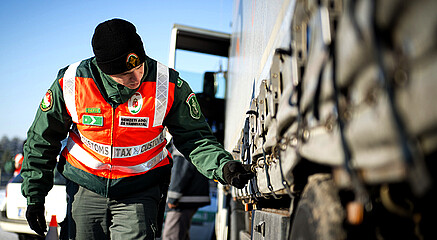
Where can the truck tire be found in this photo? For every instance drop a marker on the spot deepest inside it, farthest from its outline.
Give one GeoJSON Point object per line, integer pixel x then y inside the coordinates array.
{"type": "Point", "coordinates": [319, 213]}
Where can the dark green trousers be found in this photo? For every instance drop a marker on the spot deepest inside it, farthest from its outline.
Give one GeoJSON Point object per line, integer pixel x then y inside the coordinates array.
{"type": "Point", "coordinates": [92, 216]}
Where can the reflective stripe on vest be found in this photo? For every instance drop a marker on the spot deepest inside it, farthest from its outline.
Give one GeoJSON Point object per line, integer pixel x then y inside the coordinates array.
{"type": "Point", "coordinates": [120, 152]}
{"type": "Point", "coordinates": [161, 93]}
{"type": "Point", "coordinates": [69, 88]}
{"type": "Point", "coordinates": [89, 161]}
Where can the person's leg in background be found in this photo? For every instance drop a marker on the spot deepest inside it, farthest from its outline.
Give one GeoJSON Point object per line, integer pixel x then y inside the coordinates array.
{"type": "Point", "coordinates": [177, 224]}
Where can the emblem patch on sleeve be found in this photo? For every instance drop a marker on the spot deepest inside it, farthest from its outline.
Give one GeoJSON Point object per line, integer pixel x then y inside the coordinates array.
{"type": "Point", "coordinates": [194, 106]}
{"type": "Point", "coordinates": [47, 101]}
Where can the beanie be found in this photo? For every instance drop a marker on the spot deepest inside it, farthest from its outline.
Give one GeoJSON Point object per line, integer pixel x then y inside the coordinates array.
{"type": "Point", "coordinates": [117, 46]}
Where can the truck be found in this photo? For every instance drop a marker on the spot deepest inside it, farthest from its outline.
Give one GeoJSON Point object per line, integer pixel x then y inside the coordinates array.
{"type": "Point", "coordinates": [331, 103]}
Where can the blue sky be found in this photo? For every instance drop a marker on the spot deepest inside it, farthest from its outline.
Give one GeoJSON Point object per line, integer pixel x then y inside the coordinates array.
{"type": "Point", "coordinates": [38, 37]}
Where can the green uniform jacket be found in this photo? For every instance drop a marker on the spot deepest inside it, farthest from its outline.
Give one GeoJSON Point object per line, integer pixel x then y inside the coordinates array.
{"type": "Point", "coordinates": [191, 133]}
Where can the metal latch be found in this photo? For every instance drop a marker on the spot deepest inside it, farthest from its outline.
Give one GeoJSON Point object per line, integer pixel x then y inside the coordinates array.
{"type": "Point", "coordinates": [261, 228]}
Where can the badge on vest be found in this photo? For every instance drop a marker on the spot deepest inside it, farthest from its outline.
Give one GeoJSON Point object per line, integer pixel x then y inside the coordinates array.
{"type": "Point", "coordinates": [92, 120]}
{"type": "Point", "coordinates": [142, 122]}
{"type": "Point", "coordinates": [135, 103]}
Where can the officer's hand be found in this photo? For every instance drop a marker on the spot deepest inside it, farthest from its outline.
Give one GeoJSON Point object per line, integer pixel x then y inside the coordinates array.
{"type": "Point", "coordinates": [35, 218]}
{"type": "Point", "coordinates": [237, 174]}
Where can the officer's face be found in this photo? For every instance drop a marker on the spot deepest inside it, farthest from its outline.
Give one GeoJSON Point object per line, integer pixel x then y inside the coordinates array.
{"type": "Point", "coordinates": [130, 79]}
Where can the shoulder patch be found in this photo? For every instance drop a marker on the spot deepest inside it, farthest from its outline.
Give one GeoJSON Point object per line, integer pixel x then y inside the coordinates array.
{"type": "Point", "coordinates": [47, 101]}
{"type": "Point", "coordinates": [194, 106]}
{"type": "Point", "coordinates": [180, 82]}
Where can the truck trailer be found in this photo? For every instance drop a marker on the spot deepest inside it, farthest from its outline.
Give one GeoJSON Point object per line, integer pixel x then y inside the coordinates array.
{"type": "Point", "coordinates": [331, 102]}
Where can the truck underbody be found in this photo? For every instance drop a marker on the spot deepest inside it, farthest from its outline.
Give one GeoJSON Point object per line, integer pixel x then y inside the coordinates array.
{"type": "Point", "coordinates": [339, 129]}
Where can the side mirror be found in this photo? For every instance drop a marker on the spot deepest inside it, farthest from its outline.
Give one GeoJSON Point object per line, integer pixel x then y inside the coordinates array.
{"type": "Point", "coordinates": [209, 84]}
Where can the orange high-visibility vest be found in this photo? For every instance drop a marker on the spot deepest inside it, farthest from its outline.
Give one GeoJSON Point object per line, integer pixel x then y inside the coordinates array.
{"type": "Point", "coordinates": [117, 142]}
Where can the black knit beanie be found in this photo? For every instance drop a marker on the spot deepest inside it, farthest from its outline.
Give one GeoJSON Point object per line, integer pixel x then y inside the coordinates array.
{"type": "Point", "coordinates": [117, 46]}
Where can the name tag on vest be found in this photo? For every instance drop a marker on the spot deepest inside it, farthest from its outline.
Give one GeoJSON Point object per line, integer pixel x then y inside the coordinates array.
{"type": "Point", "coordinates": [142, 122]}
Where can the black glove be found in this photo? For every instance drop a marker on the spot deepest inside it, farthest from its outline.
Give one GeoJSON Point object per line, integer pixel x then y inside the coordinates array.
{"type": "Point", "coordinates": [35, 218]}
{"type": "Point", "coordinates": [237, 174]}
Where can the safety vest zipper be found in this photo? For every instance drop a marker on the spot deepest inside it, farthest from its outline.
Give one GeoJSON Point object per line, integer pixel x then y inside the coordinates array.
{"type": "Point", "coordinates": [108, 181]}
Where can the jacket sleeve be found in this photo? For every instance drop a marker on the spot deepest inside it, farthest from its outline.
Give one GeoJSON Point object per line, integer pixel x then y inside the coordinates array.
{"type": "Point", "coordinates": [193, 136]}
{"type": "Point", "coordinates": [49, 128]}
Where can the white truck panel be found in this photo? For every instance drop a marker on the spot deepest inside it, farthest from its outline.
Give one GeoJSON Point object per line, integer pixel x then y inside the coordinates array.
{"type": "Point", "coordinates": [257, 31]}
